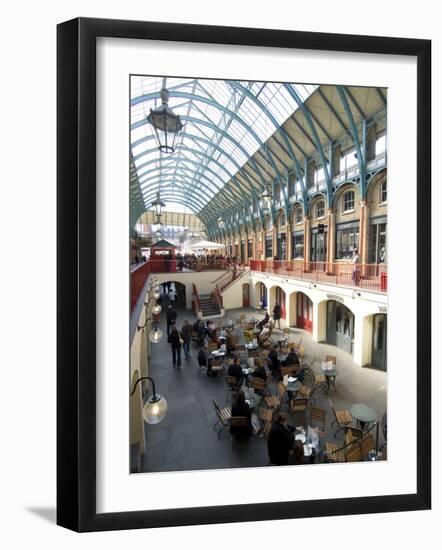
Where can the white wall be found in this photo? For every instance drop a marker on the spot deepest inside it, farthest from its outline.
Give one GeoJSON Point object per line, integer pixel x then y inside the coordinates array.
{"type": "Point", "coordinates": [28, 123]}
{"type": "Point", "coordinates": [204, 281]}
{"type": "Point", "coordinates": [363, 306]}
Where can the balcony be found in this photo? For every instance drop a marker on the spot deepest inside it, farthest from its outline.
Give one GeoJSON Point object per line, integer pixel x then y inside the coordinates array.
{"type": "Point", "coordinates": [363, 276]}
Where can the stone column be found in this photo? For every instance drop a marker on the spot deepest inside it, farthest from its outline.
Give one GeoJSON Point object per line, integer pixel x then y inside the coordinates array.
{"type": "Point", "coordinates": [363, 236]}
{"type": "Point", "coordinates": [331, 236]}
{"type": "Point", "coordinates": [306, 243]}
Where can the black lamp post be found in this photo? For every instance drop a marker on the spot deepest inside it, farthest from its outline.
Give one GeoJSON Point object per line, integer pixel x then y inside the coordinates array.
{"type": "Point", "coordinates": [158, 206]}
{"type": "Point", "coordinates": [166, 124]}
{"type": "Point", "coordinates": [266, 199]}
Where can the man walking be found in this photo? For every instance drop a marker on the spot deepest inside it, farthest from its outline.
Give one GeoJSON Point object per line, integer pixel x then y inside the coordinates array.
{"type": "Point", "coordinates": [171, 318]}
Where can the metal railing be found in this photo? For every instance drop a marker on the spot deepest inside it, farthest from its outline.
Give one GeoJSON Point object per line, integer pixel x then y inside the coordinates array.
{"type": "Point", "coordinates": [364, 276]}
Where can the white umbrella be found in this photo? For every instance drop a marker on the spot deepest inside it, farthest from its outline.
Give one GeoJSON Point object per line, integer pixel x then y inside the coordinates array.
{"type": "Point", "coordinates": [208, 245]}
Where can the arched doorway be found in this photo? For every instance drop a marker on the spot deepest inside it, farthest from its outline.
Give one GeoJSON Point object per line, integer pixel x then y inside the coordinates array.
{"type": "Point", "coordinates": [263, 295]}
{"type": "Point", "coordinates": [246, 295]}
{"type": "Point", "coordinates": [304, 312]}
{"type": "Point", "coordinates": [173, 292]}
{"type": "Point", "coordinates": [340, 326]}
{"type": "Point", "coordinates": [379, 342]}
{"type": "Point", "coordinates": [280, 299]}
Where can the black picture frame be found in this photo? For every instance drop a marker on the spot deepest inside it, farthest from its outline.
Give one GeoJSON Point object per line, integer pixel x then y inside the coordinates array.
{"type": "Point", "coordinates": [76, 273]}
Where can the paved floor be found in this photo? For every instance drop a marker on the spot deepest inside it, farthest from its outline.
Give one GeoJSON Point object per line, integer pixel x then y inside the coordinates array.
{"type": "Point", "coordinates": [185, 439]}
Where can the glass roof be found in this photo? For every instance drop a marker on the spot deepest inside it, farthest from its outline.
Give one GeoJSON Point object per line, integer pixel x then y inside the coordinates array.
{"type": "Point", "coordinates": [225, 123]}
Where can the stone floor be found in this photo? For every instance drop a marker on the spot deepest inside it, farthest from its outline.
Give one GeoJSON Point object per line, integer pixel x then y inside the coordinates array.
{"type": "Point", "coordinates": [185, 439]}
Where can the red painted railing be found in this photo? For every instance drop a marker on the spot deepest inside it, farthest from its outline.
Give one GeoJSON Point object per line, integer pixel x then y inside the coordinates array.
{"type": "Point", "coordinates": [196, 307]}
{"type": "Point", "coordinates": [365, 276]}
{"type": "Point", "coordinates": [138, 279]}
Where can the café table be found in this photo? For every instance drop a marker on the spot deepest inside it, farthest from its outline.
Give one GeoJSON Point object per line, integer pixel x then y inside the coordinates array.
{"type": "Point", "coordinates": [330, 377]}
{"type": "Point", "coordinates": [363, 414]}
{"type": "Point", "coordinates": [253, 400]}
{"type": "Point", "coordinates": [293, 387]}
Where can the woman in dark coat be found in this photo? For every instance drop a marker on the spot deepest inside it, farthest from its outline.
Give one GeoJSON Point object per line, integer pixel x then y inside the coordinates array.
{"type": "Point", "coordinates": [175, 341]}
{"type": "Point", "coordinates": [277, 312]}
{"type": "Point", "coordinates": [240, 408]}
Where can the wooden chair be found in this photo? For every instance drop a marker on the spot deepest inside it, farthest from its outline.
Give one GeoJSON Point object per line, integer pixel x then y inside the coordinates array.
{"type": "Point", "coordinates": [217, 366]}
{"type": "Point", "coordinates": [331, 358]}
{"type": "Point", "coordinates": [248, 335]}
{"type": "Point", "coordinates": [238, 423]}
{"type": "Point", "coordinates": [253, 353]}
{"type": "Point", "coordinates": [318, 418]}
{"type": "Point", "coordinates": [298, 405]}
{"type": "Point", "coordinates": [356, 433]}
{"type": "Point", "coordinates": [258, 384]}
{"type": "Point", "coordinates": [366, 444]}
{"type": "Point", "coordinates": [290, 371]}
{"type": "Point", "coordinates": [265, 417]}
{"type": "Point", "coordinates": [232, 386]}
{"type": "Point", "coordinates": [223, 417]}
{"type": "Point", "coordinates": [353, 454]}
{"type": "Point", "coordinates": [343, 419]}
{"type": "Point", "coordinates": [276, 400]}
{"type": "Point", "coordinates": [212, 347]}
{"type": "Point", "coordinates": [335, 452]}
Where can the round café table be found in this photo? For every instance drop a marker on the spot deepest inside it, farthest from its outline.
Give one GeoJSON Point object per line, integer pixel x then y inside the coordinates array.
{"type": "Point", "coordinates": [293, 387]}
{"type": "Point", "coordinates": [330, 376]}
{"type": "Point", "coordinates": [363, 414]}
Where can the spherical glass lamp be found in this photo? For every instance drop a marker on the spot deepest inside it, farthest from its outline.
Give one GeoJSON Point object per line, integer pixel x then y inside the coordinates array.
{"type": "Point", "coordinates": [155, 409]}
{"type": "Point", "coordinates": [156, 310]}
{"type": "Point", "coordinates": [155, 335]}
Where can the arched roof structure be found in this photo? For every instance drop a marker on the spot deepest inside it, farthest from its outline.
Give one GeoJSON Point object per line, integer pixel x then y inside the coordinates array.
{"type": "Point", "coordinates": [237, 136]}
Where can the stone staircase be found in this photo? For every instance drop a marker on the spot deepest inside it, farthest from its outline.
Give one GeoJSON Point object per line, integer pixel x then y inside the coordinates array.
{"type": "Point", "coordinates": [209, 309]}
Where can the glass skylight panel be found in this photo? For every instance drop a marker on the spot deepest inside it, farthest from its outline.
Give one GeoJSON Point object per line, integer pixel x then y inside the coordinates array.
{"type": "Point", "coordinates": [206, 137]}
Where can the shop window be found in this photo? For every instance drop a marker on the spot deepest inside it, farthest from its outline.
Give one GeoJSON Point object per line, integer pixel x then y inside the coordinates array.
{"type": "Point", "coordinates": [347, 239]}
{"type": "Point", "coordinates": [298, 246]}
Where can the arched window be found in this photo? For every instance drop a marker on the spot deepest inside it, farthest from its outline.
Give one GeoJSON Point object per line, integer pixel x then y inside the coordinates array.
{"type": "Point", "coordinates": [298, 215]}
{"type": "Point", "coordinates": [348, 201]}
{"type": "Point", "coordinates": [282, 221]}
{"type": "Point", "coordinates": [320, 207]}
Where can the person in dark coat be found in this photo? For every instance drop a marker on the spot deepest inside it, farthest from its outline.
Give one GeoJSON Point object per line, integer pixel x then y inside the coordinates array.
{"type": "Point", "coordinates": [277, 312]}
{"type": "Point", "coordinates": [204, 359]}
{"type": "Point", "coordinates": [186, 332]}
{"type": "Point", "coordinates": [292, 359]}
{"type": "Point", "coordinates": [273, 361]}
{"type": "Point", "coordinates": [260, 371]}
{"type": "Point", "coordinates": [176, 340]}
{"type": "Point", "coordinates": [280, 441]}
{"type": "Point", "coordinates": [241, 408]}
{"type": "Point", "coordinates": [236, 371]}
{"type": "Point", "coordinates": [171, 315]}
{"type": "Point", "coordinates": [263, 321]}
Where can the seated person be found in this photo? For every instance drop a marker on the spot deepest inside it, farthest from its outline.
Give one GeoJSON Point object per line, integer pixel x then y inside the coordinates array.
{"type": "Point", "coordinates": [263, 321]}
{"type": "Point", "coordinates": [240, 408]}
{"type": "Point", "coordinates": [231, 341]}
{"type": "Point", "coordinates": [300, 374]}
{"type": "Point", "coordinates": [260, 371]}
{"type": "Point", "coordinates": [264, 335]}
{"type": "Point", "coordinates": [201, 333]}
{"type": "Point", "coordinates": [211, 328]}
{"type": "Point", "coordinates": [273, 361]}
{"type": "Point", "coordinates": [292, 359]}
{"type": "Point", "coordinates": [298, 452]}
{"type": "Point", "coordinates": [280, 441]}
{"type": "Point", "coordinates": [236, 371]}
{"type": "Point", "coordinates": [204, 359]}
